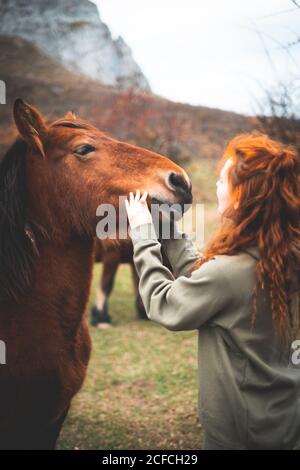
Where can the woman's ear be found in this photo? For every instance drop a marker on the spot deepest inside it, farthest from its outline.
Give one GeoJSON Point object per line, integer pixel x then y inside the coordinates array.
{"type": "Point", "coordinates": [31, 125]}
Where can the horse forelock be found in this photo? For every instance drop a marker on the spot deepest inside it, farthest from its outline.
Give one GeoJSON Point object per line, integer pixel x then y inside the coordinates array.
{"type": "Point", "coordinates": [73, 124]}
{"type": "Point", "coordinates": [76, 124]}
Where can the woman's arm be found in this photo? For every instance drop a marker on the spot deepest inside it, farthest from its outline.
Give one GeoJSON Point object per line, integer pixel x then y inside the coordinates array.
{"type": "Point", "coordinates": [181, 252]}
{"type": "Point", "coordinates": [185, 303]}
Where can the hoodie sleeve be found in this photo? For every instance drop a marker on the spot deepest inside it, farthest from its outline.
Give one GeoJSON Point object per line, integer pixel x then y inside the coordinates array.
{"type": "Point", "coordinates": [181, 252]}
{"type": "Point", "coordinates": [185, 303]}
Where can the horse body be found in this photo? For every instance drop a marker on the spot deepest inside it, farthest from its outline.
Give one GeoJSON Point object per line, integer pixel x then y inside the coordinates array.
{"type": "Point", "coordinates": [51, 183]}
{"type": "Point", "coordinates": [45, 373]}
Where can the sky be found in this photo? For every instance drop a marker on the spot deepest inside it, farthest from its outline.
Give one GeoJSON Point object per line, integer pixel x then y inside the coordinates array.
{"type": "Point", "coordinates": [221, 54]}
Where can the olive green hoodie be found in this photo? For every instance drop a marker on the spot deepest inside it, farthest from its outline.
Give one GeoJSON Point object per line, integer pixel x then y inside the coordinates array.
{"type": "Point", "coordinates": [249, 388]}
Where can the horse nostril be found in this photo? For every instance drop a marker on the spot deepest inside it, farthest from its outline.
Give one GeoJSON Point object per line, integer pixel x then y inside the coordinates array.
{"type": "Point", "coordinates": [179, 184]}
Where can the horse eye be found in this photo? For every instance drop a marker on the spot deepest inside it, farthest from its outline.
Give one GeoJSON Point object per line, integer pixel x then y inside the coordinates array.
{"type": "Point", "coordinates": [83, 149]}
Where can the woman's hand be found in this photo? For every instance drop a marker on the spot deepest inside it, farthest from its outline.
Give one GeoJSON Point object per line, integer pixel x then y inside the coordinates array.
{"type": "Point", "coordinates": [137, 209]}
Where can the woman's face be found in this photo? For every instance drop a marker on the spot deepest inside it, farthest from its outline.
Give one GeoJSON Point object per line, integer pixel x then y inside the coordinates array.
{"type": "Point", "coordinates": [223, 188]}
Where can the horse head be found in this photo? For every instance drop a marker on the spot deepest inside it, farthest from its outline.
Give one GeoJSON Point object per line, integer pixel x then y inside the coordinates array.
{"type": "Point", "coordinates": [72, 167]}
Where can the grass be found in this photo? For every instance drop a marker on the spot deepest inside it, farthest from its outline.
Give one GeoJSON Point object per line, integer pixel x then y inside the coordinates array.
{"type": "Point", "coordinates": [141, 387]}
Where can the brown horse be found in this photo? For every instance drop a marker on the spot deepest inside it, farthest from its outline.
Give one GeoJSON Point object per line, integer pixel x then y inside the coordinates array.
{"type": "Point", "coordinates": [112, 255]}
{"type": "Point", "coordinates": [51, 181]}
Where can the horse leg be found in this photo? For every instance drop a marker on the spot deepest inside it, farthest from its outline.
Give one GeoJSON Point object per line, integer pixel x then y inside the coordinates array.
{"type": "Point", "coordinates": [100, 316]}
{"type": "Point", "coordinates": [139, 306]}
{"type": "Point", "coordinates": [48, 438]}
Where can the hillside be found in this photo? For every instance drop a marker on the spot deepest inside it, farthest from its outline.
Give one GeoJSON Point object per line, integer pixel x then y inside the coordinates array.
{"type": "Point", "coordinates": [181, 131]}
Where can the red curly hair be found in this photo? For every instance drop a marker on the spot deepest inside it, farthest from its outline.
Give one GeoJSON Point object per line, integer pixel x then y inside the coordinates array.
{"type": "Point", "coordinates": [264, 179]}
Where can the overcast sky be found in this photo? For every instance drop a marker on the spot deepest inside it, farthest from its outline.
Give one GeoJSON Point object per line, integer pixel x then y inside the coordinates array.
{"type": "Point", "coordinates": [208, 52]}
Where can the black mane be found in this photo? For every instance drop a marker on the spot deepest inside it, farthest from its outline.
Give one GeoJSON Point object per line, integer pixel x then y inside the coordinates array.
{"type": "Point", "coordinates": [16, 251]}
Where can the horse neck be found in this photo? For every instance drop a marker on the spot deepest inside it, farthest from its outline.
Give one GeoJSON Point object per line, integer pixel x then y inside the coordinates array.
{"type": "Point", "coordinates": [62, 279]}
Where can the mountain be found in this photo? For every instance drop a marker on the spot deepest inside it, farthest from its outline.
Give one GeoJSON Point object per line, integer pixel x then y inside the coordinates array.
{"type": "Point", "coordinates": [181, 131]}
{"type": "Point", "coordinates": [72, 32]}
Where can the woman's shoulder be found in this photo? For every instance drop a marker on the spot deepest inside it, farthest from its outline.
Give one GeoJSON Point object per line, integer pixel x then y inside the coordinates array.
{"type": "Point", "coordinates": [238, 268]}
{"type": "Point", "coordinates": [233, 266]}
{"type": "Point", "coordinates": [246, 255]}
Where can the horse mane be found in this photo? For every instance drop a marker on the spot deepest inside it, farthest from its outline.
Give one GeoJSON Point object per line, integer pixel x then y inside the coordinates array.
{"type": "Point", "coordinates": [16, 250]}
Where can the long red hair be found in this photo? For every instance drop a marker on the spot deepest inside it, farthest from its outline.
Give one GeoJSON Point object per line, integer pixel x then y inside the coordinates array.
{"type": "Point", "coordinates": [264, 179]}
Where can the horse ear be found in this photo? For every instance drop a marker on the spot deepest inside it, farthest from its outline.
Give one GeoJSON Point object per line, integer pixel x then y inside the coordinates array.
{"type": "Point", "coordinates": [31, 125]}
{"type": "Point", "coordinates": [71, 116]}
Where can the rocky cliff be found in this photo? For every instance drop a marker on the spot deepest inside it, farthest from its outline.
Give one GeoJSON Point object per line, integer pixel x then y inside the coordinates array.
{"type": "Point", "coordinates": [72, 32]}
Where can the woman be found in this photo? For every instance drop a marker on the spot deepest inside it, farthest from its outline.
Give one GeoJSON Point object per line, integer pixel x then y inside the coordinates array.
{"type": "Point", "coordinates": [240, 293]}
